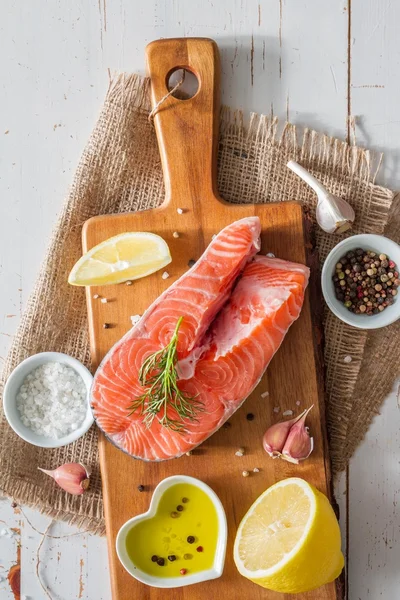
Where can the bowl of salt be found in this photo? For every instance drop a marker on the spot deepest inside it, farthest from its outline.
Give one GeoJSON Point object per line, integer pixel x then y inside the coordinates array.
{"type": "Point", "coordinates": [46, 399]}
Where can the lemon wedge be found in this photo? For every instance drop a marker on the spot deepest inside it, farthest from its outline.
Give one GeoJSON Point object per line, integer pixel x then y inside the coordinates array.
{"type": "Point", "coordinates": [121, 258]}
{"type": "Point", "coordinates": [289, 540]}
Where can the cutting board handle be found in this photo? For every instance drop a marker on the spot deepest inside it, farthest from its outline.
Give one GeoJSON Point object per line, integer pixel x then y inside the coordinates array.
{"type": "Point", "coordinates": [187, 130]}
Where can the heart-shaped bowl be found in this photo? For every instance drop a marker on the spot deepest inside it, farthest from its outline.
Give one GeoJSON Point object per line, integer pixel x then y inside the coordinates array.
{"type": "Point", "coordinates": [173, 582]}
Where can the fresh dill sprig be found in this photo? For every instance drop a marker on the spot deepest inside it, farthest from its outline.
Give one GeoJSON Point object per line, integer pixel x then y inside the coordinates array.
{"type": "Point", "coordinates": [158, 373]}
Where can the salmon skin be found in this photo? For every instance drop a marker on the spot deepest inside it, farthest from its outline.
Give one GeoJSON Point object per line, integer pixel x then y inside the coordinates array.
{"type": "Point", "coordinates": [236, 309]}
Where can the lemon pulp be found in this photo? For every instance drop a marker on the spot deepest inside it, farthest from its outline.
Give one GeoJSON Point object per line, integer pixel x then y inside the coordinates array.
{"type": "Point", "coordinates": [124, 257]}
{"type": "Point", "coordinates": [289, 540]}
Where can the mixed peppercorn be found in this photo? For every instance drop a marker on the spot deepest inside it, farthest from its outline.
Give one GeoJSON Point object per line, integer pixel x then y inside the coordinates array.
{"type": "Point", "coordinates": [366, 282]}
{"type": "Point", "coordinates": [190, 540]}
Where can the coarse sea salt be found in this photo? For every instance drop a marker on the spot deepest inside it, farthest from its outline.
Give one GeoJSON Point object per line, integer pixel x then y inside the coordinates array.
{"type": "Point", "coordinates": [52, 400]}
{"type": "Point", "coordinates": [135, 319]}
{"type": "Point", "coordinates": [287, 413]}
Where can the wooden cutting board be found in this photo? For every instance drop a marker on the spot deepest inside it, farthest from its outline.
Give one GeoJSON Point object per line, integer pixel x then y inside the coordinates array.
{"type": "Point", "coordinates": [187, 136]}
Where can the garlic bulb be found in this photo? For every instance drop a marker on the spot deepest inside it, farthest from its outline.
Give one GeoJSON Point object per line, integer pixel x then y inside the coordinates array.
{"type": "Point", "coordinates": [289, 440]}
{"type": "Point", "coordinates": [275, 437]}
{"type": "Point", "coordinates": [333, 214]}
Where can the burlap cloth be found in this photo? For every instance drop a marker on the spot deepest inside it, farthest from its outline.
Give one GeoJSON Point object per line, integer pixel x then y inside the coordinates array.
{"type": "Point", "coordinates": [120, 171]}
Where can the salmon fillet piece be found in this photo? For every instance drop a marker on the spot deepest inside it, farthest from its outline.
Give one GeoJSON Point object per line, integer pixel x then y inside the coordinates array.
{"type": "Point", "coordinates": [224, 347]}
{"type": "Point", "coordinates": [250, 328]}
{"type": "Point", "coordinates": [197, 297]}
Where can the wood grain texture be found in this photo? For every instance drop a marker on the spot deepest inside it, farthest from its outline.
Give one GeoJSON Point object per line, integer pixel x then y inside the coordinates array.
{"type": "Point", "coordinates": [186, 132]}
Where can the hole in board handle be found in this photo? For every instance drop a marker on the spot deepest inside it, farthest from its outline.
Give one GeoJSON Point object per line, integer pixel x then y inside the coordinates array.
{"type": "Point", "coordinates": [189, 86]}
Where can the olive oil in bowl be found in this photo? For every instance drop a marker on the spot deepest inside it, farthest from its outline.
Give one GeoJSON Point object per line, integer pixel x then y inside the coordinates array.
{"type": "Point", "coordinates": [180, 540]}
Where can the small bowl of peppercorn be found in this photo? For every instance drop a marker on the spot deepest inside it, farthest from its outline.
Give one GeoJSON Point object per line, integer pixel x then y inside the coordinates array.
{"type": "Point", "coordinates": [360, 281]}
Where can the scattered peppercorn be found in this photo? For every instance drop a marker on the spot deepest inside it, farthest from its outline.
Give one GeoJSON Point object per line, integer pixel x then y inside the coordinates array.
{"type": "Point", "coordinates": [172, 557]}
{"type": "Point", "coordinates": [183, 571]}
{"type": "Point", "coordinates": [161, 562]}
{"type": "Point", "coordinates": [140, 488]}
{"type": "Point", "coordinates": [250, 417]}
{"type": "Point", "coordinates": [154, 558]}
{"type": "Point", "coordinates": [191, 262]}
{"type": "Point", "coordinates": [174, 514]}
{"type": "Point", "coordinates": [179, 508]}
{"type": "Point", "coordinates": [106, 325]}
{"type": "Point", "coordinates": [185, 500]}
{"type": "Point", "coordinates": [190, 539]}
{"type": "Point", "coordinates": [365, 282]}
{"type": "Point", "coordinates": [199, 548]}
{"type": "Point", "coordinates": [14, 504]}
{"type": "Point", "coordinates": [226, 425]}
{"type": "Point", "coordinates": [187, 556]}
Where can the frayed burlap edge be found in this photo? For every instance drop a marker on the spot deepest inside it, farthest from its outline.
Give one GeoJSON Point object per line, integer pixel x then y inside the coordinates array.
{"type": "Point", "coordinates": [120, 170]}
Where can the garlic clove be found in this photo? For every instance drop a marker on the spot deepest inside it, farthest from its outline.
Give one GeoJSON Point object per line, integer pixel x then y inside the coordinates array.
{"type": "Point", "coordinates": [333, 214]}
{"type": "Point", "coordinates": [74, 478]}
{"type": "Point", "coordinates": [299, 444]}
{"type": "Point", "coordinates": [275, 437]}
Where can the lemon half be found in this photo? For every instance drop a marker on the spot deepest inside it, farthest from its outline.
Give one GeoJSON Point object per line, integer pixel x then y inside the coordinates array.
{"type": "Point", "coordinates": [121, 258]}
{"type": "Point", "coordinates": [289, 541]}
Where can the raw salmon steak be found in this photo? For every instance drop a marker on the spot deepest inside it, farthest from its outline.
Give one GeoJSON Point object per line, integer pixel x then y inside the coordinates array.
{"type": "Point", "coordinates": [236, 309]}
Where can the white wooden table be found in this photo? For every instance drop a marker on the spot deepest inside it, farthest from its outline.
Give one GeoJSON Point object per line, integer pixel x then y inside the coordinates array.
{"type": "Point", "coordinates": [316, 62]}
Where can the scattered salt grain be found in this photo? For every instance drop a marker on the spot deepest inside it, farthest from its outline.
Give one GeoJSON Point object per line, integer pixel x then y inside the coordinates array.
{"type": "Point", "coordinates": [135, 319]}
{"type": "Point", "coordinates": [214, 236]}
{"type": "Point", "coordinates": [165, 275]}
{"type": "Point", "coordinates": [265, 395]}
{"type": "Point", "coordinates": [179, 211]}
{"type": "Point", "coordinates": [256, 470]}
{"type": "Point", "coordinates": [104, 300]}
{"type": "Point", "coordinates": [175, 234]}
{"type": "Point", "coordinates": [95, 296]}
{"type": "Point", "coordinates": [287, 413]}
{"type": "Point", "coordinates": [270, 255]}
{"type": "Point", "coordinates": [52, 400]}
{"type": "Point", "coordinates": [276, 409]}
{"type": "Point", "coordinates": [245, 473]}
{"type": "Point", "coordinates": [239, 452]}
{"type": "Point", "coordinates": [298, 403]}
{"type": "Point", "coordinates": [3, 532]}
{"type": "Point", "coordinates": [189, 453]}
{"type": "Point", "coordinates": [128, 282]}
{"type": "Point", "coordinates": [347, 359]}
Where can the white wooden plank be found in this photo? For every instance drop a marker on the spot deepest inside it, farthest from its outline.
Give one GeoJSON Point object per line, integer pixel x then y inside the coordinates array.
{"type": "Point", "coordinates": [10, 539]}
{"type": "Point", "coordinates": [375, 84]}
{"type": "Point", "coordinates": [373, 482]}
{"type": "Point", "coordinates": [51, 88]}
{"type": "Point", "coordinates": [71, 567]}
{"type": "Point", "coordinates": [313, 82]}
{"type": "Point", "coordinates": [374, 494]}
{"type": "Point", "coordinates": [340, 486]}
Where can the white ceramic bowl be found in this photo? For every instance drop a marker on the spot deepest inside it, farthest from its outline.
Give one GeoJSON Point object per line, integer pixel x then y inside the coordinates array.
{"type": "Point", "coordinates": [380, 245]}
{"type": "Point", "coordinates": [13, 384]}
{"type": "Point", "coordinates": [174, 582]}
